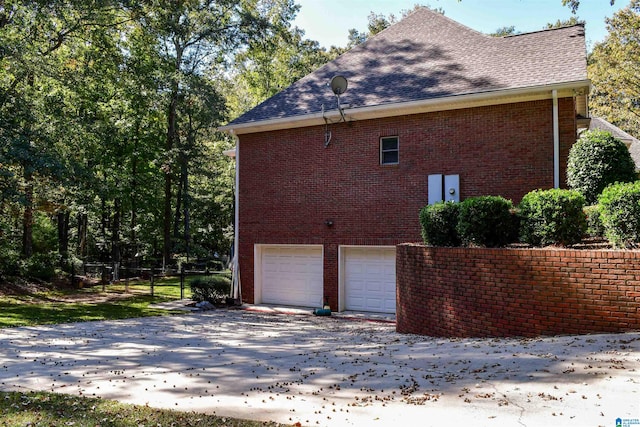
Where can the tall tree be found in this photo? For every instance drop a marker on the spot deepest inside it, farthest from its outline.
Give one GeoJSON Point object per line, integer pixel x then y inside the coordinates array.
{"type": "Point", "coordinates": [575, 4]}
{"type": "Point", "coordinates": [378, 22]}
{"type": "Point", "coordinates": [274, 59]}
{"type": "Point", "coordinates": [574, 20]}
{"type": "Point", "coordinates": [614, 70]}
{"type": "Point", "coordinates": [192, 36]}
{"type": "Point", "coordinates": [505, 31]}
{"type": "Point", "coordinates": [34, 36]}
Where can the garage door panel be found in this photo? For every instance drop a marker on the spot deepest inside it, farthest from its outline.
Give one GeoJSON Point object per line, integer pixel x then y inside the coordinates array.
{"type": "Point", "coordinates": [370, 279]}
{"type": "Point", "coordinates": [292, 275]}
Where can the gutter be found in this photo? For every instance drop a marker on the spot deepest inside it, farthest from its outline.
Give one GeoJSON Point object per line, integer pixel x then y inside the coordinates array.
{"type": "Point", "coordinates": [494, 97]}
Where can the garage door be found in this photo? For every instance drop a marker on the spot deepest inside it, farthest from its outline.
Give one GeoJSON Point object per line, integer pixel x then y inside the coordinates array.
{"type": "Point", "coordinates": [292, 275]}
{"type": "Point", "coordinates": [370, 279]}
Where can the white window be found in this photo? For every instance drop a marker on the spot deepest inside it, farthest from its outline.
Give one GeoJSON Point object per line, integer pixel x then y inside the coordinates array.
{"type": "Point", "coordinates": [389, 152]}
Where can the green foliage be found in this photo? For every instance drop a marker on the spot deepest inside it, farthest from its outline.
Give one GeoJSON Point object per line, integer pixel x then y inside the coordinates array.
{"type": "Point", "coordinates": [575, 4]}
{"type": "Point", "coordinates": [504, 31]}
{"type": "Point", "coordinates": [9, 261]}
{"type": "Point", "coordinates": [211, 288]}
{"type": "Point", "coordinates": [595, 228]}
{"type": "Point", "coordinates": [439, 222]}
{"type": "Point", "coordinates": [596, 160]}
{"type": "Point", "coordinates": [87, 92]}
{"type": "Point", "coordinates": [41, 265]}
{"type": "Point", "coordinates": [45, 237]}
{"type": "Point", "coordinates": [614, 67]}
{"type": "Point", "coordinates": [574, 20]}
{"type": "Point", "coordinates": [486, 221]}
{"type": "Point", "coordinates": [552, 217]}
{"type": "Point", "coordinates": [620, 213]}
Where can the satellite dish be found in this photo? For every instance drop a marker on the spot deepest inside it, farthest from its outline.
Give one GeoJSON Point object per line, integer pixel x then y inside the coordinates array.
{"type": "Point", "coordinates": [338, 85]}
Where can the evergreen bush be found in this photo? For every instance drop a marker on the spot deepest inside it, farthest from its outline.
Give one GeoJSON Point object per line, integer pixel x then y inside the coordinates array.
{"type": "Point", "coordinates": [486, 221]}
{"type": "Point", "coordinates": [594, 221]}
{"type": "Point", "coordinates": [439, 222]}
{"type": "Point", "coordinates": [214, 289]}
{"type": "Point", "coordinates": [596, 160]}
{"type": "Point", "coordinates": [41, 265]}
{"type": "Point", "coordinates": [620, 214]}
{"type": "Point", "coordinates": [552, 217]}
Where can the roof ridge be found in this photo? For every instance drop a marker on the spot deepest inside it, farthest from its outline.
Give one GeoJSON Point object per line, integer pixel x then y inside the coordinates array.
{"type": "Point", "coordinates": [456, 23]}
{"type": "Point", "coordinates": [544, 30]}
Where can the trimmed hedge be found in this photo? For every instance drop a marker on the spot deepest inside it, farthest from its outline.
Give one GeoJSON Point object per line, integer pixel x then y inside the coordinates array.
{"type": "Point", "coordinates": [595, 228]}
{"type": "Point", "coordinates": [620, 213]}
{"type": "Point", "coordinates": [214, 289]}
{"type": "Point", "coordinates": [596, 160]}
{"type": "Point", "coordinates": [552, 217]}
{"type": "Point", "coordinates": [486, 221]}
{"type": "Point", "coordinates": [439, 222]}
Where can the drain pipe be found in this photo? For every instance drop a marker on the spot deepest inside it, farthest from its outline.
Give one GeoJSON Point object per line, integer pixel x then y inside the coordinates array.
{"type": "Point", "coordinates": [236, 290]}
{"type": "Point", "coordinates": [237, 294]}
{"type": "Point", "coordinates": [556, 141]}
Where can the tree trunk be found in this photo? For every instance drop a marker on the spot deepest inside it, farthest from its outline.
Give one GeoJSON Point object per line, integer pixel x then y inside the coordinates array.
{"type": "Point", "coordinates": [104, 225]}
{"type": "Point", "coordinates": [83, 222]}
{"type": "Point", "coordinates": [134, 207]}
{"type": "Point", "coordinates": [172, 138]}
{"type": "Point", "coordinates": [63, 235]}
{"type": "Point", "coordinates": [187, 225]}
{"type": "Point", "coordinates": [115, 232]}
{"type": "Point", "coordinates": [27, 218]}
{"type": "Point", "coordinates": [178, 212]}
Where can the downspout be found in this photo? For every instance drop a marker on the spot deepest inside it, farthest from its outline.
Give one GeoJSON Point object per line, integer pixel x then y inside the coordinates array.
{"type": "Point", "coordinates": [556, 141]}
{"type": "Point", "coordinates": [236, 289]}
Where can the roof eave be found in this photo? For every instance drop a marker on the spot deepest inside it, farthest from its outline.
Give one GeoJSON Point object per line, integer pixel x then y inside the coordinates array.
{"type": "Point", "coordinates": [477, 99]}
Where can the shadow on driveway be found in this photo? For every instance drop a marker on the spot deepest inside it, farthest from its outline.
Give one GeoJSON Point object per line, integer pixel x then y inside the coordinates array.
{"type": "Point", "coordinates": [328, 370]}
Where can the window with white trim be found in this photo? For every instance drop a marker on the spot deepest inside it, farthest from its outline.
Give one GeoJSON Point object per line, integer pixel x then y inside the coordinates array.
{"type": "Point", "coordinates": [389, 150]}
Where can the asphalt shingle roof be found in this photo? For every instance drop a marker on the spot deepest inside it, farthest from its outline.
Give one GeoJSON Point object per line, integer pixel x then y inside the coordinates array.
{"type": "Point", "coordinates": [634, 144]}
{"type": "Point", "coordinates": [427, 56]}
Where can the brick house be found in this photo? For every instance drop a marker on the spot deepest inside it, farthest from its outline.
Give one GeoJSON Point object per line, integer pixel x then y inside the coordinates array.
{"type": "Point", "coordinates": [328, 185]}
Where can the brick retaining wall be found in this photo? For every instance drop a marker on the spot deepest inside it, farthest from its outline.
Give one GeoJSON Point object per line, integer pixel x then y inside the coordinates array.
{"type": "Point", "coordinates": [477, 292]}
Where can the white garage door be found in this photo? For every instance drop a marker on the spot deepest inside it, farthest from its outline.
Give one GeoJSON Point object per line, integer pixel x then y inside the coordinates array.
{"type": "Point", "coordinates": [292, 275]}
{"type": "Point", "coordinates": [370, 279]}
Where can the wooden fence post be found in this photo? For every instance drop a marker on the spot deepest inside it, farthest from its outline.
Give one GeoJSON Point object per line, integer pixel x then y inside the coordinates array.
{"type": "Point", "coordinates": [152, 273]}
{"type": "Point", "coordinates": [182, 282]}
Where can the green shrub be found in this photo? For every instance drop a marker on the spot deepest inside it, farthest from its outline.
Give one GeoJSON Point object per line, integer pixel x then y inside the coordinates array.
{"type": "Point", "coordinates": [214, 289]}
{"type": "Point", "coordinates": [596, 160]}
{"type": "Point", "coordinates": [594, 221]}
{"type": "Point", "coordinates": [620, 213]}
{"type": "Point", "coordinates": [9, 261]}
{"type": "Point", "coordinates": [41, 266]}
{"type": "Point", "coordinates": [215, 265]}
{"type": "Point", "coordinates": [439, 222]}
{"type": "Point", "coordinates": [552, 217]}
{"type": "Point", "coordinates": [486, 221]}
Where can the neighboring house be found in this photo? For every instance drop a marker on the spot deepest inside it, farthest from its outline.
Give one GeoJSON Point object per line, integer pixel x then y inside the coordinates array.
{"type": "Point", "coordinates": [632, 143]}
{"type": "Point", "coordinates": [325, 195]}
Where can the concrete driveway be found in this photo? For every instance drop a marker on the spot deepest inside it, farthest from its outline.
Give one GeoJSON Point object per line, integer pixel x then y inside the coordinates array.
{"type": "Point", "coordinates": [329, 371]}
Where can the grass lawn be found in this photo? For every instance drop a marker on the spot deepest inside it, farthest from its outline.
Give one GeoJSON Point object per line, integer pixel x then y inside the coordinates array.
{"type": "Point", "coordinates": [51, 409]}
{"type": "Point", "coordinates": [90, 303]}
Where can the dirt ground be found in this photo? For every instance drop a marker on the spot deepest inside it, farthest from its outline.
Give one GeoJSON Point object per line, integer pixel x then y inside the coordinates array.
{"type": "Point", "coordinates": [31, 292]}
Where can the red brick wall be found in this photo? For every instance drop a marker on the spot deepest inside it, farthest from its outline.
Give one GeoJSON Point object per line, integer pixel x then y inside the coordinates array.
{"type": "Point", "coordinates": [290, 184]}
{"type": "Point", "coordinates": [475, 292]}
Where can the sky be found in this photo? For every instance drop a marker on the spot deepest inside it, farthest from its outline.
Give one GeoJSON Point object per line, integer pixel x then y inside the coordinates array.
{"type": "Point", "coordinates": [329, 21]}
